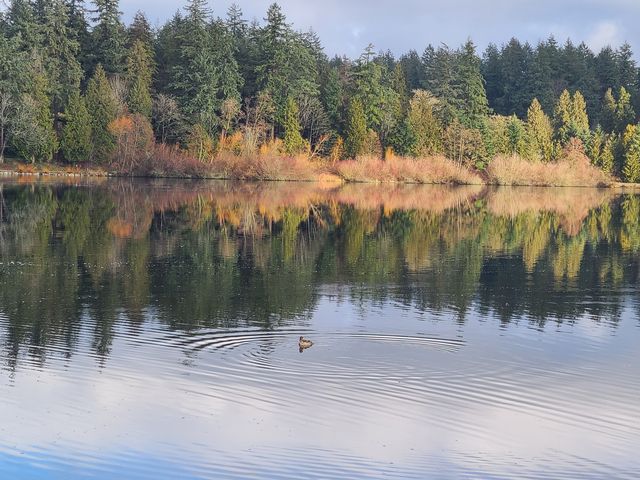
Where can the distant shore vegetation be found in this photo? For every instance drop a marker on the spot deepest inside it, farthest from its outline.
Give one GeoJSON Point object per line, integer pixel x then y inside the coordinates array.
{"type": "Point", "coordinates": [213, 96]}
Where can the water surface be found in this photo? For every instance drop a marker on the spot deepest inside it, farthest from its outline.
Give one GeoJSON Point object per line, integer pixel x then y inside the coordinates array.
{"type": "Point", "coordinates": [150, 330]}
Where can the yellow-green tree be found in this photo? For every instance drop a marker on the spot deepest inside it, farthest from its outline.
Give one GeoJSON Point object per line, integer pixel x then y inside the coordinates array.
{"type": "Point", "coordinates": [631, 167]}
{"type": "Point", "coordinates": [293, 141]}
{"type": "Point", "coordinates": [424, 127]}
{"type": "Point", "coordinates": [540, 132]}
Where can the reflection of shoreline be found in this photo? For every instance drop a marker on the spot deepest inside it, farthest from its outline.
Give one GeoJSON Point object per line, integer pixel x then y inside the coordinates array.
{"type": "Point", "coordinates": [137, 201]}
{"type": "Point", "coordinates": [572, 205]}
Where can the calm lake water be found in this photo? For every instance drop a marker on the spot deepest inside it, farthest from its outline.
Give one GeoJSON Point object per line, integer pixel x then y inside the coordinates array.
{"type": "Point", "coordinates": [150, 330]}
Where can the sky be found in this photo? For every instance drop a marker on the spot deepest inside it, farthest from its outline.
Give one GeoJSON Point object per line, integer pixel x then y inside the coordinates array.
{"type": "Point", "coordinates": [346, 27]}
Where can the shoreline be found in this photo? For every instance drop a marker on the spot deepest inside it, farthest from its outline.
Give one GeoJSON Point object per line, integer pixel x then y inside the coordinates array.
{"type": "Point", "coordinates": [18, 170]}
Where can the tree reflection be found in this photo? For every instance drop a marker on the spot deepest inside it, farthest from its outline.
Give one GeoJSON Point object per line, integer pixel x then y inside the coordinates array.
{"type": "Point", "coordinates": [195, 254]}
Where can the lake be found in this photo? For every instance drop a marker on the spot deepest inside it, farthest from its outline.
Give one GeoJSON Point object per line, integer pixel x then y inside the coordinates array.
{"type": "Point", "coordinates": [149, 329]}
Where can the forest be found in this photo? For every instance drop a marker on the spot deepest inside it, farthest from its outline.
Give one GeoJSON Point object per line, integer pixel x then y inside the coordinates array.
{"type": "Point", "coordinates": [217, 95]}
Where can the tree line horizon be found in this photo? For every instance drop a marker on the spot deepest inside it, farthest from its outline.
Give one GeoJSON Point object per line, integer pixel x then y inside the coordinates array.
{"type": "Point", "coordinates": [78, 85]}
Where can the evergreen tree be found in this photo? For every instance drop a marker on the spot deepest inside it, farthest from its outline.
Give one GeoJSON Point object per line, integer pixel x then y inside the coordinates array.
{"type": "Point", "coordinates": [608, 154]}
{"type": "Point", "coordinates": [103, 109]}
{"type": "Point", "coordinates": [59, 53]}
{"type": "Point", "coordinates": [571, 119]}
{"type": "Point", "coordinates": [22, 24]}
{"type": "Point", "coordinates": [76, 134]}
{"type": "Point", "coordinates": [33, 135]}
{"type": "Point", "coordinates": [539, 132]}
{"type": "Point", "coordinates": [293, 141]}
{"type": "Point", "coordinates": [140, 31]}
{"type": "Point", "coordinates": [108, 37]}
{"type": "Point", "coordinates": [473, 104]}
{"type": "Point", "coordinates": [287, 65]}
{"type": "Point", "coordinates": [440, 80]}
{"type": "Point", "coordinates": [631, 168]}
{"type": "Point", "coordinates": [625, 114]}
{"type": "Point", "coordinates": [608, 115]}
{"type": "Point", "coordinates": [356, 130]}
{"type": "Point", "coordinates": [331, 95]}
{"type": "Point", "coordinates": [139, 79]}
{"type": "Point", "coordinates": [425, 129]}
{"type": "Point", "coordinates": [78, 31]}
{"type": "Point", "coordinates": [207, 73]}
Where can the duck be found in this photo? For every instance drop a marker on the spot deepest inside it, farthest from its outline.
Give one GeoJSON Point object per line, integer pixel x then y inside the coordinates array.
{"type": "Point", "coordinates": [304, 343]}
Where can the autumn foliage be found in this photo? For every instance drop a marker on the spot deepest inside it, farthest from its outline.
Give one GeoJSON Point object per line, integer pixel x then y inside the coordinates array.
{"type": "Point", "coordinates": [134, 142]}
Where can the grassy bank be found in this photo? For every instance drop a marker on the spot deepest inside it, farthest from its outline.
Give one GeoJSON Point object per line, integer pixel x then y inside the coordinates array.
{"type": "Point", "coordinates": [573, 169]}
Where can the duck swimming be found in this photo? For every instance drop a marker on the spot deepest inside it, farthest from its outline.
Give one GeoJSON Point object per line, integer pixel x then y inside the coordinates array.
{"type": "Point", "coordinates": [304, 343]}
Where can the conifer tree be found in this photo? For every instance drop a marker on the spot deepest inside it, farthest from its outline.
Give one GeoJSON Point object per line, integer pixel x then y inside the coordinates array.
{"type": "Point", "coordinates": [76, 134]}
{"type": "Point", "coordinates": [33, 135]}
{"type": "Point", "coordinates": [139, 79]}
{"type": "Point", "coordinates": [631, 168]}
{"type": "Point", "coordinates": [540, 132]}
{"type": "Point", "coordinates": [140, 30]}
{"type": "Point", "coordinates": [473, 104]}
{"type": "Point", "coordinates": [425, 129]}
{"type": "Point", "coordinates": [59, 53]}
{"type": "Point", "coordinates": [108, 37]}
{"type": "Point", "coordinates": [293, 141]}
{"type": "Point", "coordinates": [608, 115]}
{"type": "Point", "coordinates": [608, 154]}
{"type": "Point", "coordinates": [625, 114]}
{"type": "Point", "coordinates": [571, 120]}
{"type": "Point", "coordinates": [103, 109]}
{"type": "Point", "coordinates": [356, 130]}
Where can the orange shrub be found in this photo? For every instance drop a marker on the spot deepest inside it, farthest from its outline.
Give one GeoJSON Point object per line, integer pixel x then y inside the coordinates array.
{"type": "Point", "coordinates": [134, 142]}
{"type": "Point", "coordinates": [437, 170]}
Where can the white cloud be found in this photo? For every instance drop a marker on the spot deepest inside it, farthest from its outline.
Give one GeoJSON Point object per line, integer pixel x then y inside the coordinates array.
{"type": "Point", "coordinates": [605, 33]}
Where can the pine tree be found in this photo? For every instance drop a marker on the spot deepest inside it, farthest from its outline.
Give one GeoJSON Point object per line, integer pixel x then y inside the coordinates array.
{"type": "Point", "coordinates": [33, 135]}
{"type": "Point", "coordinates": [540, 132]}
{"type": "Point", "coordinates": [608, 154]}
{"type": "Point", "coordinates": [563, 117]}
{"type": "Point", "coordinates": [608, 113]}
{"type": "Point", "coordinates": [287, 63]}
{"type": "Point", "coordinates": [293, 141]}
{"type": "Point", "coordinates": [206, 73]}
{"type": "Point", "coordinates": [59, 53]}
{"type": "Point", "coordinates": [76, 134]}
{"type": "Point", "coordinates": [571, 119]}
{"type": "Point", "coordinates": [625, 114]}
{"type": "Point", "coordinates": [356, 130]}
{"type": "Point", "coordinates": [103, 109]}
{"type": "Point", "coordinates": [631, 168]}
{"type": "Point", "coordinates": [140, 30]}
{"type": "Point", "coordinates": [108, 37]}
{"type": "Point", "coordinates": [440, 80]}
{"type": "Point", "coordinates": [139, 79]}
{"type": "Point", "coordinates": [473, 103]}
{"type": "Point", "coordinates": [580, 119]}
{"type": "Point", "coordinates": [425, 129]}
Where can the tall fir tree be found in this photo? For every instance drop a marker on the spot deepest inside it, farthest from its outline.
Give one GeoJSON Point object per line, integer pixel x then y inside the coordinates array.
{"type": "Point", "coordinates": [103, 109]}
{"type": "Point", "coordinates": [631, 167]}
{"type": "Point", "coordinates": [60, 54]}
{"type": "Point", "coordinates": [33, 135]}
{"type": "Point", "coordinates": [108, 37]}
{"type": "Point", "coordinates": [356, 129]}
{"type": "Point", "coordinates": [76, 135]}
{"type": "Point", "coordinates": [473, 103]}
{"type": "Point", "coordinates": [540, 132]}
{"type": "Point", "coordinates": [293, 141]}
{"type": "Point", "coordinates": [139, 79]}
